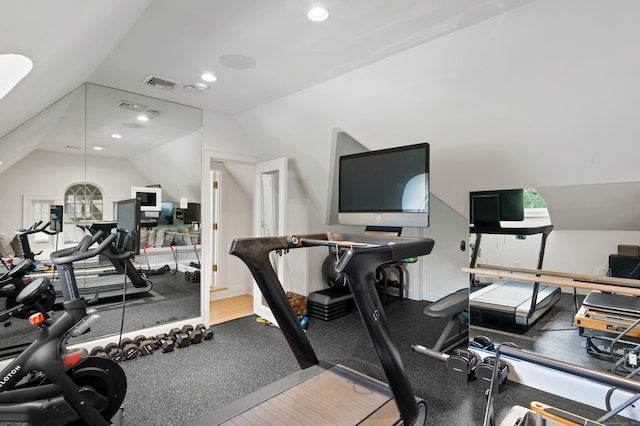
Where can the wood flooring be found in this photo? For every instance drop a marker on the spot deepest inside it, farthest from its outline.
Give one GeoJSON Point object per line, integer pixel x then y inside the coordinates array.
{"type": "Point", "coordinates": [230, 308]}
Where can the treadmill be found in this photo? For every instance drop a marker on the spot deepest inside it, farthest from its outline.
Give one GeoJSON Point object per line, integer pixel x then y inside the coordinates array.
{"type": "Point", "coordinates": [510, 302]}
{"type": "Point", "coordinates": [102, 287]}
{"type": "Point", "coordinates": [321, 392]}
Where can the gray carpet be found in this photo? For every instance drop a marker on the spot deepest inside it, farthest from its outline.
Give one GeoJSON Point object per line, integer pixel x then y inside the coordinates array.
{"type": "Point", "coordinates": [173, 388]}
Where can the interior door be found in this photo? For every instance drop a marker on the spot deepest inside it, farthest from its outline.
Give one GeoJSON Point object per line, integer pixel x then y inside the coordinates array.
{"type": "Point", "coordinates": [270, 219]}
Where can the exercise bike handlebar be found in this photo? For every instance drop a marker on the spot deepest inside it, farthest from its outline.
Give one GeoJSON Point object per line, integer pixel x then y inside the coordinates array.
{"type": "Point", "coordinates": [82, 251]}
{"type": "Point", "coordinates": [35, 228]}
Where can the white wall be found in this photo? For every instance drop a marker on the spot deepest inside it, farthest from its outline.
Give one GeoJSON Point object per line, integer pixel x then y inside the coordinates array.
{"type": "Point", "coordinates": [174, 165]}
{"type": "Point", "coordinates": [579, 252]}
{"type": "Point", "coordinates": [50, 174]}
{"type": "Point", "coordinates": [540, 88]}
{"type": "Point", "coordinates": [502, 103]}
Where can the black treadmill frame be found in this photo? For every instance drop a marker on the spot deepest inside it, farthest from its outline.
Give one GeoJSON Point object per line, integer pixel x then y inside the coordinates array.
{"type": "Point", "coordinates": [365, 253]}
{"type": "Point", "coordinates": [545, 230]}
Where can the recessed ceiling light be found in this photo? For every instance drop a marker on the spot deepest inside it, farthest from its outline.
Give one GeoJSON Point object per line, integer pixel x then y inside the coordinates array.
{"type": "Point", "coordinates": [318, 14]}
{"type": "Point", "coordinates": [142, 117]}
{"type": "Point", "coordinates": [13, 68]}
{"type": "Point", "coordinates": [116, 136]}
{"type": "Point", "coordinates": [98, 148]}
{"type": "Point", "coordinates": [208, 77]}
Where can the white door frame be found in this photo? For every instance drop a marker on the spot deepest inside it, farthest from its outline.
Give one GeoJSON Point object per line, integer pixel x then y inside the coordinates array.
{"type": "Point", "coordinates": [277, 166]}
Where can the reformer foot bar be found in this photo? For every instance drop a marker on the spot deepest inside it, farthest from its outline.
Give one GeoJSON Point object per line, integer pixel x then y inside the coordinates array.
{"type": "Point", "coordinates": [290, 398]}
{"type": "Point", "coordinates": [561, 417]}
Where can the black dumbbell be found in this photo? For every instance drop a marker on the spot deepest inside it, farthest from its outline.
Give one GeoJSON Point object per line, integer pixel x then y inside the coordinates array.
{"type": "Point", "coordinates": [182, 340]}
{"type": "Point", "coordinates": [99, 352]}
{"type": "Point", "coordinates": [179, 337]}
{"type": "Point", "coordinates": [164, 342]}
{"type": "Point", "coordinates": [145, 345]}
{"type": "Point", "coordinates": [207, 333]}
{"type": "Point", "coordinates": [129, 349]}
{"type": "Point", "coordinates": [114, 352]}
{"type": "Point", "coordinates": [195, 335]}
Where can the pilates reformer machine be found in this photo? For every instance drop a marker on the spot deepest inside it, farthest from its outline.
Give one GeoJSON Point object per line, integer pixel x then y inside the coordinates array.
{"type": "Point", "coordinates": [321, 392]}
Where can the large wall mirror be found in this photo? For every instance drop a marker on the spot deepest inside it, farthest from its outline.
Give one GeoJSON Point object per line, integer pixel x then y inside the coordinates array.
{"type": "Point", "coordinates": [90, 152]}
{"type": "Point", "coordinates": [590, 222]}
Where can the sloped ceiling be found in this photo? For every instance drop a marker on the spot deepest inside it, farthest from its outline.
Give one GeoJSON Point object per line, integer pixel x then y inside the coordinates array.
{"type": "Point", "coordinates": [67, 40]}
{"type": "Point", "coordinates": [601, 207]}
{"type": "Point", "coordinates": [118, 43]}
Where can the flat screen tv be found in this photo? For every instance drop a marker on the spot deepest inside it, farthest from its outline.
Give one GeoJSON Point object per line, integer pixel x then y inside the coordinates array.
{"type": "Point", "coordinates": [388, 187]}
{"type": "Point", "coordinates": [128, 225]}
{"type": "Point", "coordinates": [489, 208]}
{"type": "Point", "coordinates": [150, 198]}
{"type": "Point", "coordinates": [191, 213]}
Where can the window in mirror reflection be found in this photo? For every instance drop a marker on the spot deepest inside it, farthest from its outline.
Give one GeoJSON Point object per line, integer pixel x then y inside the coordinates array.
{"type": "Point", "coordinates": [83, 203]}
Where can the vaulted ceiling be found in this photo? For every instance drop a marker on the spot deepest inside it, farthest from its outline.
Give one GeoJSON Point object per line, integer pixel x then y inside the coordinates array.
{"type": "Point", "coordinates": [264, 50]}
{"type": "Point", "coordinates": [120, 43]}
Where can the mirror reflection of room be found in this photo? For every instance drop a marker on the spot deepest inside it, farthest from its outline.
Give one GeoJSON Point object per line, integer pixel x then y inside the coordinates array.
{"type": "Point", "coordinates": [579, 309]}
{"type": "Point", "coordinates": [74, 191]}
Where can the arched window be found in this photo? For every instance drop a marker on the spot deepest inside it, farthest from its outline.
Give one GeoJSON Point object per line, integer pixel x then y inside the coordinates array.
{"type": "Point", "coordinates": [82, 203]}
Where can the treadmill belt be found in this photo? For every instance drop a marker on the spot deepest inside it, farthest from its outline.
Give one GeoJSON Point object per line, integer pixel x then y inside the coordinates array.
{"type": "Point", "coordinates": [506, 294]}
{"type": "Point", "coordinates": [336, 396]}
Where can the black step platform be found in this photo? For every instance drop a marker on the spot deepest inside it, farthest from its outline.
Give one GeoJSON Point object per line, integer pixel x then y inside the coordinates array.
{"type": "Point", "coordinates": [329, 304]}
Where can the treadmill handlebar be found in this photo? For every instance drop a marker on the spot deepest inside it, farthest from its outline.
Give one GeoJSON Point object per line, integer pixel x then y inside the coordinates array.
{"type": "Point", "coordinates": [367, 252]}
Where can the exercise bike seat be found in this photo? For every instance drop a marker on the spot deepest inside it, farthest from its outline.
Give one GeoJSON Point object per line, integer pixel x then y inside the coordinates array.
{"type": "Point", "coordinates": [17, 271]}
{"type": "Point", "coordinates": [32, 292]}
{"type": "Point", "coordinates": [449, 305]}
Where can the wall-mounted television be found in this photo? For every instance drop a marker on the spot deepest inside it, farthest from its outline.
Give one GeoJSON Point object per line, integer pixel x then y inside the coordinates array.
{"type": "Point", "coordinates": [191, 213]}
{"type": "Point", "coordinates": [128, 225]}
{"type": "Point", "coordinates": [489, 208]}
{"type": "Point", "coordinates": [150, 198]}
{"type": "Point", "coordinates": [388, 187]}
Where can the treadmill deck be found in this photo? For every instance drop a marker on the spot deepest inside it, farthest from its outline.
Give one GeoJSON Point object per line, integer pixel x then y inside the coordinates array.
{"type": "Point", "coordinates": [321, 394]}
{"type": "Point", "coordinates": [511, 300]}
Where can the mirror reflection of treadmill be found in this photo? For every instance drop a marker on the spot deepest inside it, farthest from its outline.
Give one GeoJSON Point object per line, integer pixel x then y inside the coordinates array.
{"type": "Point", "coordinates": [511, 302]}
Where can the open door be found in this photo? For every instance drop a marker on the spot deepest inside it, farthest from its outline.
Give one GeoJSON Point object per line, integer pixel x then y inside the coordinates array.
{"type": "Point", "coordinates": [270, 219]}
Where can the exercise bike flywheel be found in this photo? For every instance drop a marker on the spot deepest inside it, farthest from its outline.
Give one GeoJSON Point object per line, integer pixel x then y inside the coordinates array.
{"type": "Point", "coordinates": [104, 377]}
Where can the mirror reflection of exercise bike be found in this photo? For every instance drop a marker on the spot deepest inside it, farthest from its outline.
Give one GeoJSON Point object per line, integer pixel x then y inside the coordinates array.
{"type": "Point", "coordinates": [48, 384]}
{"type": "Point", "coordinates": [16, 279]}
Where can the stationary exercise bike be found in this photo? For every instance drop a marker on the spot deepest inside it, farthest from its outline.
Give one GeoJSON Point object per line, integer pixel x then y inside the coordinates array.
{"type": "Point", "coordinates": [14, 280]}
{"type": "Point", "coordinates": [48, 384]}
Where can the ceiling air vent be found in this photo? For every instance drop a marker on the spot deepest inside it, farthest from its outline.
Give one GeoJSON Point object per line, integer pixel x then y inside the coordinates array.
{"type": "Point", "coordinates": [159, 83]}
{"type": "Point", "coordinates": [132, 106]}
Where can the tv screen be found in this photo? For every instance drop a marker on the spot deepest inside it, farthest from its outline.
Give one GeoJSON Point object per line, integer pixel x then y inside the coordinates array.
{"type": "Point", "coordinates": [489, 208]}
{"type": "Point", "coordinates": [191, 213]}
{"type": "Point", "coordinates": [128, 225]}
{"type": "Point", "coordinates": [388, 187]}
{"type": "Point", "coordinates": [150, 198]}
